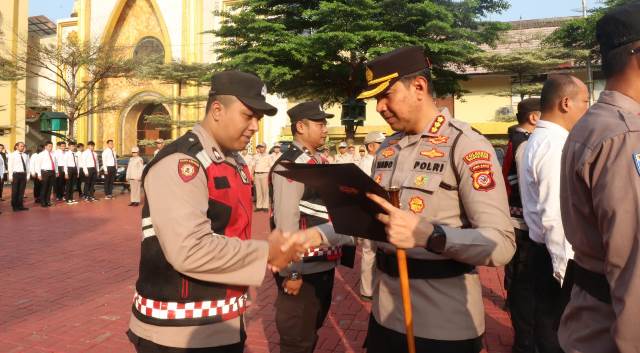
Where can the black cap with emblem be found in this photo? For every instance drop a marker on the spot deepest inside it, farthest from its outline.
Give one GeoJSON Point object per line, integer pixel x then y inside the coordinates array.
{"type": "Point", "coordinates": [248, 88]}
{"type": "Point", "coordinates": [619, 27]}
{"type": "Point", "coordinates": [383, 71]}
{"type": "Point", "coordinates": [308, 110]}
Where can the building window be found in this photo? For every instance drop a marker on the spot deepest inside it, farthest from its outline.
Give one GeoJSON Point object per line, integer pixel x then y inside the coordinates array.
{"type": "Point", "coordinates": [149, 48]}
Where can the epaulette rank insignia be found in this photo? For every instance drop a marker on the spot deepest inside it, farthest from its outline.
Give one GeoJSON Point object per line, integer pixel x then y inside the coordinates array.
{"type": "Point", "coordinates": [437, 124]}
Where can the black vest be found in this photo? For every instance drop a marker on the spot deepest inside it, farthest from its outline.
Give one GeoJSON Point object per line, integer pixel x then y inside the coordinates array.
{"type": "Point", "coordinates": [166, 297]}
{"type": "Point", "coordinates": [515, 202]}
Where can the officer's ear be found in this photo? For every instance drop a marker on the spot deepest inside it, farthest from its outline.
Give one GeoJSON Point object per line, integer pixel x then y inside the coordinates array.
{"type": "Point", "coordinates": [421, 85]}
{"type": "Point", "coordinates": [564, 104]}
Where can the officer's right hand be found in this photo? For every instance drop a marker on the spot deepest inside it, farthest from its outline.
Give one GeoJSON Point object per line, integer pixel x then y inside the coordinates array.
{"type": "Point", "coordinates": [284, 249]}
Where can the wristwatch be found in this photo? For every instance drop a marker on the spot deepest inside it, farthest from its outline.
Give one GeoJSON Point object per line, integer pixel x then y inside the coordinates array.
{"type": "Point", "coordinates": [437, 241]}
{"type": "Point", "coordinates": [294, 276]}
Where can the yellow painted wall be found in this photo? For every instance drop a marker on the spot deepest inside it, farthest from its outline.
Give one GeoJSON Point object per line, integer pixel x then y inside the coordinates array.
{"type": "Point", "coordinates": [481, 103]}
{"type": "Point", "coordinates": [13, 37]}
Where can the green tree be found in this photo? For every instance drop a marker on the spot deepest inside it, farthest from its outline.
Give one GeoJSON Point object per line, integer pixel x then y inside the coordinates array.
{"type": "Point", "coordinates": [317, 49]}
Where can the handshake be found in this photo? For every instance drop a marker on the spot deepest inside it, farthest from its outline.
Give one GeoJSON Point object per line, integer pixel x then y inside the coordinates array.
{"type": "Point", "coordinates": [285, 248]}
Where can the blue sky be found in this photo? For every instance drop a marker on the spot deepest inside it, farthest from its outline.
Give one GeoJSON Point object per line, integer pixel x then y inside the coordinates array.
{"type": "Point", "coordinates": [525, 9]}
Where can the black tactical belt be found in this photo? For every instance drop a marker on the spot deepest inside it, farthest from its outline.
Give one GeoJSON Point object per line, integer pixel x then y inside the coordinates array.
{"type": "Point", "coordinates": [595, 284]}
{"type": "Point", "coordinates": [422, 269]}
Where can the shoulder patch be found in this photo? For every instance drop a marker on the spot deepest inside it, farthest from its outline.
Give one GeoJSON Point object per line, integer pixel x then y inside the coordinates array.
{"type": "Point", "coordinates": [188, 169]}
{"type": "Point", "coordinates": [477, 155]}
{"type": "Point", "coordinates": [636, 160]}
{"type": "Point", "coordinates": [483, 179]}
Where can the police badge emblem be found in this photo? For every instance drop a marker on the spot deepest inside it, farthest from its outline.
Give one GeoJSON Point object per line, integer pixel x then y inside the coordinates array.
{"type": "Point", "coordinates": [187, 169]}
{"type": "Point", "coordinates": [636, 160]}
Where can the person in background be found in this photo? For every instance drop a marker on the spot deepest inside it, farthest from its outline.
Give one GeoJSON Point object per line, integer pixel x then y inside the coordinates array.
{"type": "Point", "coordinates": [33, 170]}
{"type": "Point", "coordinates": [362, 151]}
{"type": "Point", "coordinates": [563, 101]}
{"type": "Point", "coordinates": [326, 153]}
{"type": "Point", "coordinates": [600, 200]}
{"type": "Point", "coordinates": [81, 177]}
{"type": "Point", "coordinates": [372, 143]}
{"type": "Point", "coordinates": [18, 176]}
{"type": "Point", "coordinates": [159, 145]}
{"type": "Point", "coordinates": [275, 154]}
{"type": "Point", "coordinates": [71, 172]}
{"type": "Point", "coordinates": [354, 156]}
{"type": "Point", "coordinates": [2, 168]}
{"type": "Point", "coordinates": [59, 158]}
{"type": "Point", "coordinates": [109, 167]}
{"type": "Point", "coordinates": [47, 170]}
{"type": "Point", "coordinates": [3, 176]}
{"type": "Point", "coordinates": [90, 166]}
{"type": "Point", "coordinates": [342, 156]}
{"type": "Point", "coordinates": [134, 175]}
{"type": "Point", "coordinates": [518, 274]}
{"type": "Point", "coordinates": [263, 163]}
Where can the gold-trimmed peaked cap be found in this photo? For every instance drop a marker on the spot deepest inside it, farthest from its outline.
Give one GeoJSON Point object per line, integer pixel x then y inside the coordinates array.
{"type": "Point", "coordinates": [382, 72]}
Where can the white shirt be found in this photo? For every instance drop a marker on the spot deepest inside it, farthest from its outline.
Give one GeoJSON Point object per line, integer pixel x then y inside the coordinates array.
{"type": "Point", "coordinates": [1, 166]}
{"type": "Point", "coordinates": [44, 162]}
{"type": "Point", "coordinates": [343, 158]}
{"type": "Point", "coordinates": [15, 160]}
{"type": "Point", "coordinates": [366, 163]}
{"type": "Point", "coordinates": [70, 161]}
{"type": "Point", "coordinates": [33, 164]}
{"type": "Point", "coordinates": [540, 191]}
{"type": "Point", "coordinates": [58, 157]}
{"type": "Point", "coordinates": [109, 159]}
{"type": "Point", "coordinates": [79, 159]}
{"type": "Point", "coordinates": [88, 158]}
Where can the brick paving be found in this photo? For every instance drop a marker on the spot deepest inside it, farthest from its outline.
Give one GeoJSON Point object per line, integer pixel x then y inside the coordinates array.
{"type": "Point", "coordinates": [68, 273]}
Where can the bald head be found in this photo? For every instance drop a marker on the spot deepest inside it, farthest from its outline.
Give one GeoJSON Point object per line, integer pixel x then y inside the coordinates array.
{"type": "Point", "coordinates": [564, 99]}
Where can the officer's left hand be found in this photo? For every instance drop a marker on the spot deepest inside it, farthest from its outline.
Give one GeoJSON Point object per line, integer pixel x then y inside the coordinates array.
{"type": "Point", "coordinates": [404, 229]}
{"type": "Point", "coordinates": [292, 286]}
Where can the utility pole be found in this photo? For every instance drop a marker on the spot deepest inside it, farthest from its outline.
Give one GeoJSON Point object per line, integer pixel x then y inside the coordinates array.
{"type": "Point", "coordinates": [589, 69]}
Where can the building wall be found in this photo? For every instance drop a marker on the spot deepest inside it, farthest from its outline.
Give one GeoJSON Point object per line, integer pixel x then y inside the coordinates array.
{"type": "Point", "coordinates": [480, 103]}
{"type": "Point", "coordinates": [13, 28]}
{"type": "Point", "coordinates": [37, 87]}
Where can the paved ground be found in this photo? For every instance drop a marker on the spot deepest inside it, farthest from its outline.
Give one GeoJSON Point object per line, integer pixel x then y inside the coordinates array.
{"type": "Point", "coordinates": [67, 277]}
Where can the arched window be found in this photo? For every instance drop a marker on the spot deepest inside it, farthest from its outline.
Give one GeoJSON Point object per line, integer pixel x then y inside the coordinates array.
{"type": "Point", "coordinates": [149, 47]}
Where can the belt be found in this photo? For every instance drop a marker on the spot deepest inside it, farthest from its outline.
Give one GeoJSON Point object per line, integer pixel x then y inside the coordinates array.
{"type": "Point", "coordinates": [420, 268]}
{"type": "Point", "coordinates": [595, 284]}
{"type": "Point", "coordinates": [189, 310]}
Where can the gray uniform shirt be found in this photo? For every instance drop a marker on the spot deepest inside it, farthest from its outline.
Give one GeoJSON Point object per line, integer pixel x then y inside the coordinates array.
{"type": "Point", "coordinates": [600, 198]}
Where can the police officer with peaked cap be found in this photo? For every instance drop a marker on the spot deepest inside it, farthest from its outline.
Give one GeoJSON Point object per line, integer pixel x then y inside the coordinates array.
{"type": "Point", "coordinates": [599, 195]}
{"type": "Point", "coordinates": [453, 213]}
{"type": "Point", "coordinates": [305, 288]}
{"type": "Point", "coordinates": [197, 257]}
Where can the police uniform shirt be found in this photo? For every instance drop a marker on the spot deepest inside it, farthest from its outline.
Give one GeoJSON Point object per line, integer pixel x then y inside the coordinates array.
{"type": "Point", "coordinates": [600, 199]}
{"type": "Point", "coordinates": [109, 158]}
{"type": "Point", "coordinates": [262, 163]}
{"type": "Point", "coordinates": [286, 213]}
{"type": "Point", "coordinates": [70, 161]}
{"type": "Point", "coordinates": [18, 161]}
{"type": "Point", "coordinates": [186, 239]}
{"type": "Point", "coordinates": [471, 207]}
{"type": "Point", "coordinates": [46, 162]}
{"type": "Point", "coordinates": [343, 158]}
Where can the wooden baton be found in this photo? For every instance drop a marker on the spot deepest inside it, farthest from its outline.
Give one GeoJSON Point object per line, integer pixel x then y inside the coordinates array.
{"type": "Point", "coordinates": [394, 194]}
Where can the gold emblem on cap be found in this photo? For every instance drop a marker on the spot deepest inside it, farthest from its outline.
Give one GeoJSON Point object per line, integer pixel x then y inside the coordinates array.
{"type": "Point", "coordinates": [369, 74]}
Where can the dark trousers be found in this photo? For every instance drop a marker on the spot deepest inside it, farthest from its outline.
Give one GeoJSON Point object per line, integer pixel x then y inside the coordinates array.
{"type": "Point", "coordinates": [71, 182]}
{"type": "Point", "coordinates": [3, 178]}
{"type": "Point", "coordinates": [109, 179]}
{"type": "Point", "coordinates": [60, 183]}
{"type": "Point", "coordinates": [298, 317]}
{"type": "Point", "coordinates": [90, 182]}
{"type": "Point", "coordinates": [145, 346]}
{"type": "Point", "coordinates": [48, 178]}
{"type": "Point", "coordinates": [520, 294]}
{"type": "Point", "coordinates": [383, 340]}
{"type": "Point", "coordinates": [17, 190]}
{"type": "Point", "coordinates": [548, 302]}
{"type": "Point", "coordinates": [80, 181]}
{"type": "Point", "coordinates": [36, 187]}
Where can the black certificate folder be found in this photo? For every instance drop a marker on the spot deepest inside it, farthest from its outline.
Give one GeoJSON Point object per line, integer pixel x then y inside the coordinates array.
{"type": "Point", "coordinates": [343, 189]}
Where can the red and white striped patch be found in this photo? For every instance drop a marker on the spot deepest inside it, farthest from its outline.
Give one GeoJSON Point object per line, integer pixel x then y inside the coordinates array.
{"type": "Point", "coordinates": [225, 308]}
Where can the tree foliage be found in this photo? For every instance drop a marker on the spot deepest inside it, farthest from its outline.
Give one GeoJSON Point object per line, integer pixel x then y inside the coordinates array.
{"type": "Point", "coordinates": [317, 49]}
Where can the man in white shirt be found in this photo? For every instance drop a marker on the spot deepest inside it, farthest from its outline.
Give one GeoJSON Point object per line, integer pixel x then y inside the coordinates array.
{"type": "Point", "coordinates": [81, 177]}
{"type": "Point", "coordinates": [47, 171]}
{"type": "Point", "coordinates": [18, 176]}
{"type": "Point", "coordinates": [33, 170]}
{"type": "Point", "coordinates": [59, 157]}
{"type": "Point", "coordinates": [109, 166]}
{"type": "Point", "coordinates": [90, 166]}
{"type": "Point", "coordinates": [159, 146]}
{"type": "Point", "coordinates": [563, 101]}
{"type": "Point", "coordinates": [372, 143]}
{"type": "Point", "coordinates": [70, 172]}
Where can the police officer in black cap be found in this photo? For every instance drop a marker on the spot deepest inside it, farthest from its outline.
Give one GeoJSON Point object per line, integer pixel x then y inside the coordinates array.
{"type": "Point", "coordinates": [305, 288]}
{"type": "Point", "coordinates": [600, 184]}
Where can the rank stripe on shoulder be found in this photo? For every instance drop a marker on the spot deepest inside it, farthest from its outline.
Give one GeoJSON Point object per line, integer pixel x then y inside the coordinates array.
{"type": "Point", "coordinates": [204, 158]}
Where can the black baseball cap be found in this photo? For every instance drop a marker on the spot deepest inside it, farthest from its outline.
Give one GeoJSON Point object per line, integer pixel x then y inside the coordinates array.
{"type": "Point", "coordinates": [619, 27]}
{"type": "Point", "coordinates": [248, 88]}
{"type": "Point", "coordinates": [311, 110]}
{"type": "Point", "coordinates": [383, 71]}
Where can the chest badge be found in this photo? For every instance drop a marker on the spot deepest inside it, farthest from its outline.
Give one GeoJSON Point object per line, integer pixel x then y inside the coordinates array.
{"type": "Point", "coordinates": [378, 178]}
{"type": "Point", "coordinates": [433, 153]}
{"type": "Point", "coordinates": [388, 152]}
{"type": "Point", "coordinates": [421, 180]}
{"type": "Point", "coordinates": [187, 169]}
{"type": "Point", "coordinates": [438, 140]}
{"type": "Point", "coordinates": [437, 124]}
{"type": "Point", "coordinates": [636, 160]}
{"type": "Point", "coordinates": [416, 204]}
